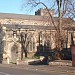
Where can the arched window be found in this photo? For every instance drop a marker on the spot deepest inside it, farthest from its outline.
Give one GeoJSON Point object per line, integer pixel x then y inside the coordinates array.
{"type": "Point", "coordinates": [31, 46]}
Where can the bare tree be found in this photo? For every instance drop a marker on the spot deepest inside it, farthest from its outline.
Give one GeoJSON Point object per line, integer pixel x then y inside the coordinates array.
{"type": "Point", "coordinates": [66, 8]}
{"type": "Point", "coordinates": [25, 40]}
{"type": "Point", "coordinates": [70, 8]}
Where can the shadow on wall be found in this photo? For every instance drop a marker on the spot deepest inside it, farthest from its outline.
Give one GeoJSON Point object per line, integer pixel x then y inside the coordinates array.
{"type": "Point", "coordinates": [67, 55]}
{"type": "Point", "coordinates": [50, 55]}
{"type": "Point", "coordinates": [54, 54]}
{"type": "Point", "coordinates": [43, 50]}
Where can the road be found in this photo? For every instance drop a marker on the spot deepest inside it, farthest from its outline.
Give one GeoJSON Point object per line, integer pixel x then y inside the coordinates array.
{"type": "Point", "coordinates": [36, 70]}
{"type": "Point", "coordinates": [20, 71]}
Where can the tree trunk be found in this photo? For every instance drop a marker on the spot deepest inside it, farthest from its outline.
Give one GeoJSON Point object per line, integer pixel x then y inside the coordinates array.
{"type": "Point", "coordinates": [25, 53]}
{"type": "Point", "coordinates": [21, 54]}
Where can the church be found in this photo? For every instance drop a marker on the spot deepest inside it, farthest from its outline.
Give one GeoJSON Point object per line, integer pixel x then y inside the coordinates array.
{"type": "Point", "coordinates": [20, 34]}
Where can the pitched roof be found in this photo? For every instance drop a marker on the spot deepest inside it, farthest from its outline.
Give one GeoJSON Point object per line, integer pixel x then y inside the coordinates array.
{"type": "Point", "coordinates": [66, 21]}
{"type": "Point", "coordinates": [23, 16]}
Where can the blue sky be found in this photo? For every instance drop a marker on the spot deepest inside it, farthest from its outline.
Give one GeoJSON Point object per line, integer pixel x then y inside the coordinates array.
{"type": "Point", "coordinates": [16, 6]}
{"type": "Point", "coordinates": [11, 6]}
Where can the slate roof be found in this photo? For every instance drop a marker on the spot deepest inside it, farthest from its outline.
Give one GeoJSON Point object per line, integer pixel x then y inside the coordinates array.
{"type": "Point", "coordinates": [66, 21]}
{"type": "Point", "coordinates": [23, 16]}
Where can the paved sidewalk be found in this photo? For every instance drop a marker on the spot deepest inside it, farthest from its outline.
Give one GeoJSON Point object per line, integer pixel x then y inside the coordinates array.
{"type": "Point", "coordinates": [52, 69]}
{"type": "Point", "coordinates": [61, 63]}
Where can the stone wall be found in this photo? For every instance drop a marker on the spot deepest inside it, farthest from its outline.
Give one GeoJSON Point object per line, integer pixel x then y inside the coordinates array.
{"type": "Point", "coordinates": [7, 39]}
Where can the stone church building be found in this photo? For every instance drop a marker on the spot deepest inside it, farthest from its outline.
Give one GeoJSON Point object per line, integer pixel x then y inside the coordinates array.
{"type": "Point", "coordinates": [35, 29]}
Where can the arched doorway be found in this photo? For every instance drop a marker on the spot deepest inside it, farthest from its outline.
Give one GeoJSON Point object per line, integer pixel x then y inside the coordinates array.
{"type": "Point", "coordinates": [14, 53]}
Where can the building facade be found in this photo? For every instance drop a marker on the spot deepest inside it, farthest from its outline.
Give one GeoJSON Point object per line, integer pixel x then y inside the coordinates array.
{"type": "Point", "coordinates": [32, 31]}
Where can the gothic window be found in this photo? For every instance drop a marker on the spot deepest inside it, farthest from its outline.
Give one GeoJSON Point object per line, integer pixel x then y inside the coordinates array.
{"type": "Point", "coordinates": [32, 44]}
{"type": "Point", "coordinates": [31, 41]}
{"type": "Point", "coordinates": [39, 41]}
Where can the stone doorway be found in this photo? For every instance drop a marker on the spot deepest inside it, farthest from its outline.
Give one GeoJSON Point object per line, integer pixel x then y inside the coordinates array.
{"type": "Point", "coordinates": [14, 54]}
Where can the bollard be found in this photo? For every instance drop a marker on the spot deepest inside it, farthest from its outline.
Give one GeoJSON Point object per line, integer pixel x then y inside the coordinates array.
{"type": "Point", "coordinates": [73, 55]}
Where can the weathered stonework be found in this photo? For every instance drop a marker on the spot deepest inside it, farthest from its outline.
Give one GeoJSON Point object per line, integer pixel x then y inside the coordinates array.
{"type": "Point", "coordinates": [10, 46]}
